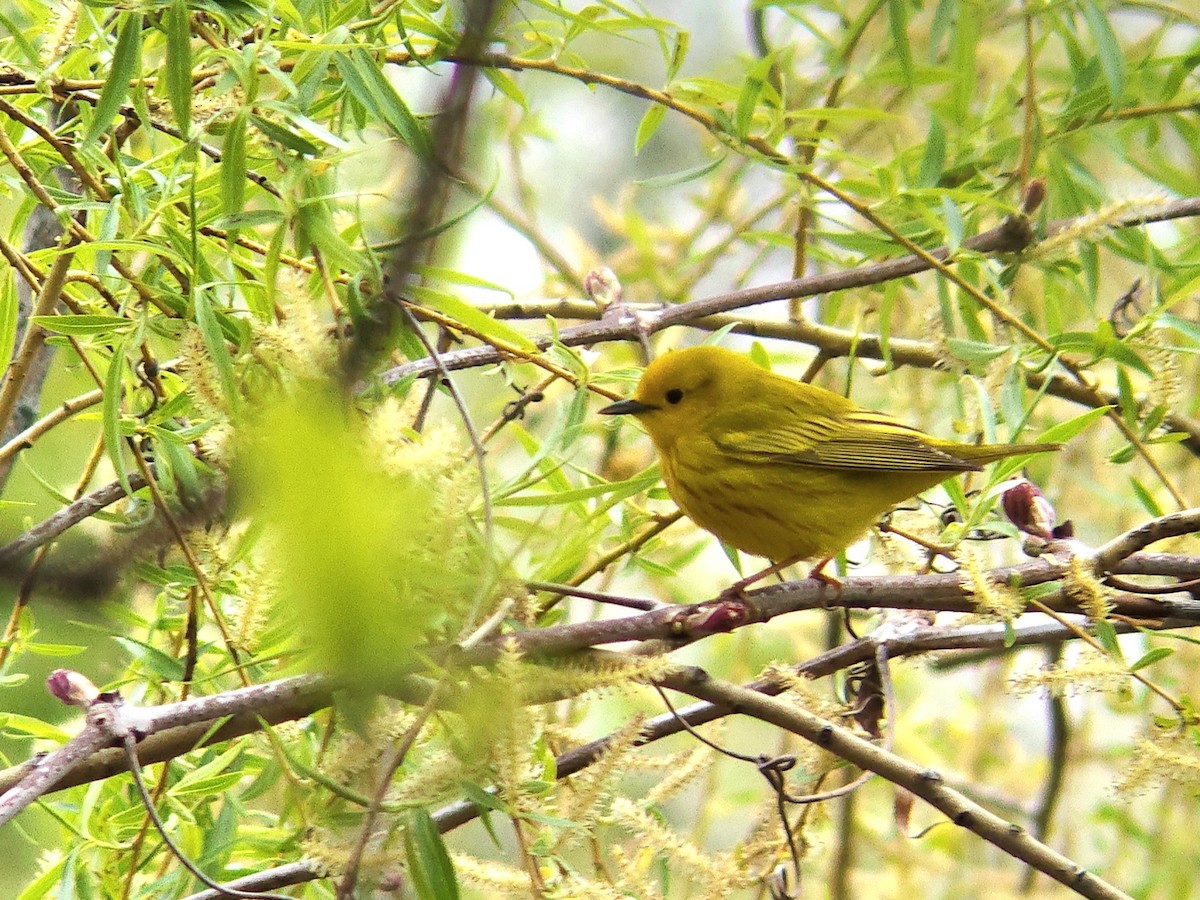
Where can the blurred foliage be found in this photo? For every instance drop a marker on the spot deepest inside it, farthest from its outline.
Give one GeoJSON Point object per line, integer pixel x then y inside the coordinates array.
{"type": "Point", "coordinates": [241, 176]}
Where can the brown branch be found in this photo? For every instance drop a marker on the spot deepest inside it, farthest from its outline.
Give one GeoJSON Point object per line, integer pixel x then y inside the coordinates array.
{"type": "Point", "coordinates": [1123, 546]}
{"type": "Point", "coordinates": [69, 515]}
{"type": "Point", "coordinates": [924, 783]}
{"type": "Point", "coordinates": [711, 312]}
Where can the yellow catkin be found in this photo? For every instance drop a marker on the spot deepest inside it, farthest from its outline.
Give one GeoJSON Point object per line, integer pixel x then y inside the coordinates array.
{"type": "Point", "coordinates": [1166, 387]}
{"type": "Point", "coordinates": [491, 877]}
{"type": "Point", "coordinates": [991, 600]}
{"type": "Point", "coordinates": [1094, 671]}
{"type": "Point", "coordinates": [695, 763]}
{"type": "Point", "coordinates": [587, 792]}
{"type": "Point", "coordinates": [58, 40]}
{"type": "Point", "coordinates": [1084, 588]}
{"type": "Point", "coordinates": [1093, 228]}
{"type": "Point", "coordinates": [1161, 758]}
{"type": "Point", "coordinates": [699, 866]}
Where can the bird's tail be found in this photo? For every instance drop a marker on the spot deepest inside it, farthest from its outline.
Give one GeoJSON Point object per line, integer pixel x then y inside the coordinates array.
{"type": "Point", "coordinates": [986, 453]}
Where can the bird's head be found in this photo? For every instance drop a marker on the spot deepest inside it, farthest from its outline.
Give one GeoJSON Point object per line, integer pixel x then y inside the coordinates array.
{"type": "Point", "coordinates": [678, 391]}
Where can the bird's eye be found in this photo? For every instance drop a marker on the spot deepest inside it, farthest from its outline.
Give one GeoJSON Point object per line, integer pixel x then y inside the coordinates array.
{"type": "Point", "coordinates": [674, 395]}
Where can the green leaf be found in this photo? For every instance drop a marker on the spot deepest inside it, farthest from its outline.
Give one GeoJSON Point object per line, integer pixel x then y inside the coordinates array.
{"type": "Point", "coordinates": [619, 490]}
{"type": "Point", "coordinates": [963, 62]}
{"type": "Point", "coordinates": [113, 439]}
{"type": "Point", "coordinates": [482, 798]}
{"type": "Point", "coordinates": [504, 83]}
{"type": "Point", "coordinates": [209, 787]}
{"type": "Point", "coordinates": [367, 83]}
{"type": "Point", "coordinates": [41, 886]}
{"type": "Point", "coordinates": [974, 351]}
{"type": "Point", "coordinates": [1064, 431]}
{"type": "Point", "coordinates": [233, 166]}
{"type": "Point", "coordinates": [127, 57]}
{"type": "Point", "coordinates": [898, 25]}
{"type": "Point", "coordinates": [1107, 636]}
{"type": "Point", "coordinates": [671, 179]}
{"type": "Point", "coordinates": [155, 661]}
{"type": "Point", "coordinates": [39, 649]}
{"type": "Point", "coordinates": [177, 76]}
{"type": "Point", "coordinates": [1148, 501]}
{"type": "Point", "coordinates": [933, 161]}
{"type": "Point", "coordinates": [83, 325]}
{"type": "Point", "coordinates": [8, 318]}
{"type": "Point", "coordinates": [752, 88]}
{"type": "Point", "coordinates": [429, 864]}
{"type": "Point", "coordinates": [649, 124]}
{"type": "Point", "coordinates": [214, 343]}
{"type": "Point", "coordinates": [453, 276]}
{"type": "Point", "coordinates": [472, 317]}
{"type": "Point", "coordinates": [1108, 49]}
{"type": "Point", "coordinates": [17, 725]}
{"type": "Point", "coordinates": [678, 53]}
{"type": "Point", "coordinates": [285, 137]}
{"type": "Point", "coordinates": [955, 226]}
{"type": "Point", "coordinates": [1150, 657]}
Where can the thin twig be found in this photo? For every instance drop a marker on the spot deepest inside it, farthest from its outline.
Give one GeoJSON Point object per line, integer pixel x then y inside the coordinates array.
{"type": "Point", "coordinates": [924, 783]}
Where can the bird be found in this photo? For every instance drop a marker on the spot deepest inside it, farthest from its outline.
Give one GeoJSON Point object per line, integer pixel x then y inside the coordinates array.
{"type": "Point", "coordinates": [779, 468]}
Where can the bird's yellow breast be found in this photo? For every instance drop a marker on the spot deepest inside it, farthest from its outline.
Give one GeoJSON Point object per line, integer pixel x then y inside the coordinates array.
{"type": "Point", "coordinates": [781, 512]}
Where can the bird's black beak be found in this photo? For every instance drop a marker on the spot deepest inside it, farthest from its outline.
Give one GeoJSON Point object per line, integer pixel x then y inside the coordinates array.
{"type": "Point", "coordinates": [626, 408]}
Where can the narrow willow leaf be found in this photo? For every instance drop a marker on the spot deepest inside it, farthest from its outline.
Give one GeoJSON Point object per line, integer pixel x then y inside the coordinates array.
{"type": "Point", "coordinates": [752, 89]}
{"type": "Point", "coordinates": [619, 489]}
{"type": "Point", "coordinates": [671, 179]}
{"type": "Point", "coordinates": [1064, 431]}
{"type": "Point", "coordinates": [17, 725]}
{"type": "Point", "coordinates": [233, 166]}
{"type": "Point", "coordinates": [678, 54]}
{"type": "Point", "coordinates": [898, 24]}
{"type": "Point", "coordinates": [891, 291]}
{"type": "Point", "coordinates": [429, 864]}
{"type": "Point", "coordinates": [472, 317]}
{"type": "Point", "coordinates": [153, 659]}
{"type": "Point", "coordinates": [453, 276]}
{"type": "Point", "coordinates": [113, 440]}
{"type": "Point", "coordinates": [1128, 403]}
{"type": "Point", "coordinates": [270, 275]}
{"type": "Point", "coordinates": [8, 318]}
{"type": "Point", "coordinates": [1150, 657]}
{"type": "Point", "coordinates": [367, 83]}
{"type": "Point", "coordinates": [11, 29]}
{"type": "Point", "coordinates": [83, 325]}
{"type": "Point", "coordinates": [177, 24]}
{"type": "Point", "coordinates": [214, 342]}
{"type": "Point", "coordinates": [963, 62]}
{"type": "Point", "coordinates": [933, 161]}
{"type": "Point", "coordinates": [285, 137]}
{"type": "Point", "coordinates": [126, 59]}
{"type": "Point", "coordinates": [1149, 503]}
{"type": "Point", "coordinates": [955, 226]}
{"type": "Point", "coordinates": [182, 464]}
{"type": "Point", "coordinates": [649, 124]}
{"type": "Point", "coordinates": [504, 83]}
{"type": "Point", "coordinates": [1108, 50]}
{"type": "Point", "coordinates": [1107, 636]}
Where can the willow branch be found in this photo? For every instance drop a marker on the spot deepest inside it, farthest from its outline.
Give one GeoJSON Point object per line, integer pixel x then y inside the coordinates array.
{"type": "Point", "coordinates": [923, 783]}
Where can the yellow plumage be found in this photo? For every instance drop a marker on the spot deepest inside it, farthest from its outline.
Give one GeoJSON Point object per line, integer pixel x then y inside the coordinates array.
{"type": "Point", "coordinates": [779, 468]}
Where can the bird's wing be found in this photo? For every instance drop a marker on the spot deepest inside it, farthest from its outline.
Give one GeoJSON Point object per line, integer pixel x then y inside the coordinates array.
{"type": "Point", "coordinates": [856, 440]}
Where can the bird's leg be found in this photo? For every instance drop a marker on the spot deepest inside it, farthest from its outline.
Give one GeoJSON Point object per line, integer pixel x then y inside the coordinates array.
{"type": "Point", "coordinates": [738, 588]}
{"type": "Point", "coordinates": [830, 580]}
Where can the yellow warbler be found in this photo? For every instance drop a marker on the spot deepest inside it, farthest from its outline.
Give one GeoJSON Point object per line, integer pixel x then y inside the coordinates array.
{"type": "Point", "coordinates": [779, 468]}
